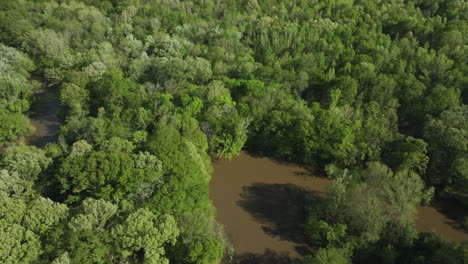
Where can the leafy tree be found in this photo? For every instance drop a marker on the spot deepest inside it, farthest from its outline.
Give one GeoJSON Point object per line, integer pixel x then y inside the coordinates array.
{"type": "Point", "coordinates": [201, 240]}
{"type": "Point", "coordinates": [12, 125]}
{"type": "Point", "coordinates": [112, 175]}
{"type": "Point", "coordinates": [44, 214]}
{"type": "Point", "coordinates": [148, 88]}
{"type": "Point", "coordinates": [15, 90]}
{"type": "Point", "coordinates": [145, 232]}
{"type": "Point", "coordinates": [186, 171]}
{"type": "Point", "coordinates": [27, 161]}
{"type": "Point", "coordinates": [62, 259]}
{"type": "Point", "coordinates": [50, 48]}
{"type": "Point", "coordinates": [11, 183]}
{"type": "Point", "coordinates": [25, 219]}
{"type": "Point", "coordinates": [95, 215]}
{"type": "Point", "coordinates": [329, 136]}
{"type": "Point", "coordinates": [329, 255]}
{"type": "Point", "coordinates": [88, 236]}
{"type": "Point", "coordinates": [406, 154]}
{"type": "Point", "coordinates": [19, 245]}
{"type": "Point", "coordinates": [222, 123]}
{"type": "Point", "coordinates": [80, 148]}
{"type": "Point", "coordinates": [447, 137]}
{"type": "Point", "coordinates": [112, 91]}
{"type": "Point", "coordinates": [383, 198]}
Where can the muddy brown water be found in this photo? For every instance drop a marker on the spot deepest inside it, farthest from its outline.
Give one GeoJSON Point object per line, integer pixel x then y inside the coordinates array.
{"type": "Point", "coordinates": [444, 220]}
{"type": "Point", "coordinates": [260, 203]}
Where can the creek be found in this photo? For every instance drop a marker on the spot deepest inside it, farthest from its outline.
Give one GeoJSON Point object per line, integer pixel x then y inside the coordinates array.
{"type": "Point", "coordinates": [43, 116]}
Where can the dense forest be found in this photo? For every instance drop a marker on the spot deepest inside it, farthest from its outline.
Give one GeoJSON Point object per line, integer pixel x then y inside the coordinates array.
{"type": "Point", "coordinates": [373, 92]}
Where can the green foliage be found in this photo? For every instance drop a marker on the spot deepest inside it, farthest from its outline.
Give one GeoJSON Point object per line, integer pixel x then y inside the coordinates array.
{"type": "Point", "coordinates": [186, 171]}
{"type": "Point", "coordinates": [201, 240]}
{"type": "Point", "coordinates": [322, 233]}
{"type": "Point", "coordinates": [80, 148]}
{"type": "Point", "coordinates": [88, 235]}
{"type": "Point", "coordinates": [406, 154]}
{"type": "Point", "coordinates": [44, 214]}
{"type": "Point", "coordinates": [329, 255]}
{"type": "Point", "coordinates": [383, 200]}
{"type": "Point", "coordinates": [27, 161]}
{"type": "Point", "coordinates": [428, 249]}
{"type": "Point", "coordinates": [145, 232]}
{"type": "Point", "coordinates": [113, 173]}
{"type": "Point", "coordinates": [148, 88]}
{"type": "Point", "coordinates": [448, 148]}
{"type": "Point", "coordinates": [329, 136]}
{"type": "Point", "coordinates": [62, 259]}
{"type": "Point", "coordinates": [95, 215]}
{"type": "Point", "coordinates": [19, 245]}
{"type": "Point", "coordinates": [50, 48]}
{"type": "Point", "coordinates": [15, 90]}
{"type": "Point", "coordinates": [112, 90]}
{"type": "Point", "coordinates": [11, 183]}
{"type": "Point", "coordinates": [12, 125]}
{"type": "Point", "coordinates": [25, 218]}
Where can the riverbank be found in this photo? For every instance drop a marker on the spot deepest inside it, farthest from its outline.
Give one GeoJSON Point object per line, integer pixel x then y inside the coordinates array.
{"type": "Point", "coordinates": [260, 202]}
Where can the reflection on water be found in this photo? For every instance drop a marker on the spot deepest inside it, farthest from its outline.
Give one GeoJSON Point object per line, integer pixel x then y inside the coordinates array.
{"type": "Point", "coordinates": [260, 203]}
{"type": "Point", "coordinates": [443, 220]}
{"type": "Point", "coordinates": [43, 117]}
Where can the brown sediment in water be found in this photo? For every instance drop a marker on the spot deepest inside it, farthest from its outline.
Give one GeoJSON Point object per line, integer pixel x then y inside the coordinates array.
{"type": "Point", "coordinates": [444, 220]}
{"type": "Point", "coordinates": [260, 203]}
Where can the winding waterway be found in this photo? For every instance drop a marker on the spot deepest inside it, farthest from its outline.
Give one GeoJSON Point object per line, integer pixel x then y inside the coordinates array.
{"type": "Point", "coordinates": [260, 203]}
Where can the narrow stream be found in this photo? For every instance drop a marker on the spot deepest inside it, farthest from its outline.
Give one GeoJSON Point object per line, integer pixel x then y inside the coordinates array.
{"type": "Point", "coordinates": [43, 116]}
{"type": "Point", "coordinates": [260, 203]}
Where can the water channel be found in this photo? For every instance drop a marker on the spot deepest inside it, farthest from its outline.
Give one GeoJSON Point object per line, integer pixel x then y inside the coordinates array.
{"type": "Point", "coordinates": [260, 202]}
{"type": "Point", "coordinates": [43, 116]}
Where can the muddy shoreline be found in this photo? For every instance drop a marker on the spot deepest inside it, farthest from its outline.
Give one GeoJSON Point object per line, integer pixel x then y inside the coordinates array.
{"type": "Point", "coordinates": [260, 203]}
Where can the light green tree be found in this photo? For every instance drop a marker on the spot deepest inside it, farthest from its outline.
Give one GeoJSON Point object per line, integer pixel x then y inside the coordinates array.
{"type": "Point", "coordinates": [12, 184]}
{"type": "Point", "coordinates": [95, 215]}
{"type": "Point", "coordinates": [80, 148]}
{"type": "Point", "coordinates": [143, 230]}
{"type": "Point", "coordinates": [43, 214]}
{"type": "Point", "coordinates": [382, 198]}
{"type": "Point", "coordinates": [51, 47]}
{"type": "Point", "coordinates": [27, 161]}
{"type": "Point", "coordinates": [329, 255]}
{"type": "Point", "coordinates": [64, 258]}
{"type": "Point", "coordinates": [19, 245]}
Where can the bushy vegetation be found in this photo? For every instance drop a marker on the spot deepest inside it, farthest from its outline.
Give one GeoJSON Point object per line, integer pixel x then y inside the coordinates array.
{"type": "Point", "coordinates": [373, 91]}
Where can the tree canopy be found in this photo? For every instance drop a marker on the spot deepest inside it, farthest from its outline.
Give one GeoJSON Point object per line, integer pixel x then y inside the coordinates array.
{"type": "Point", "coordinates": [374, 92]}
